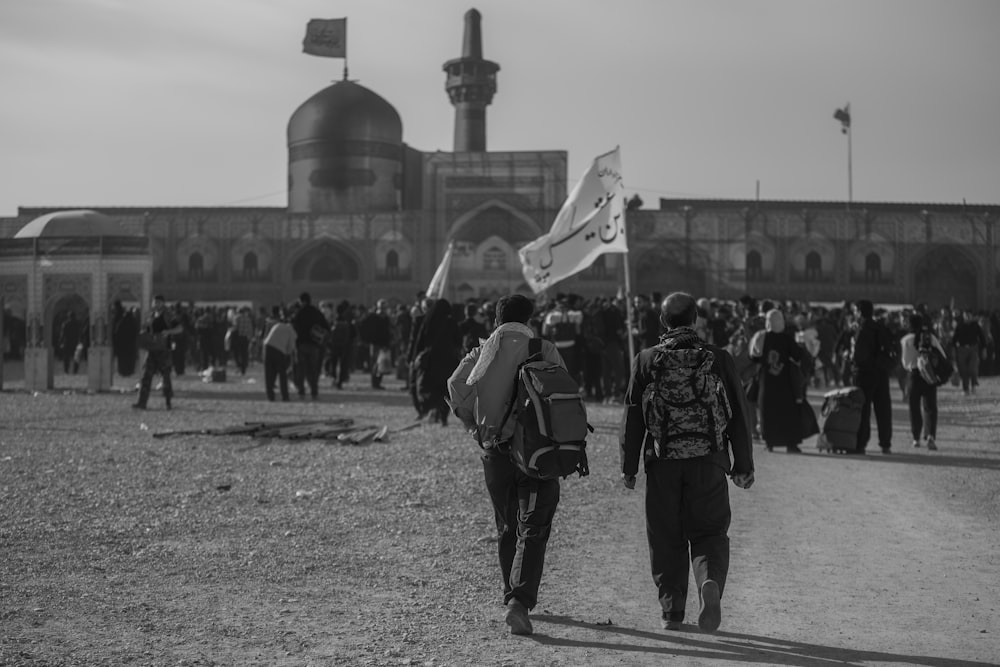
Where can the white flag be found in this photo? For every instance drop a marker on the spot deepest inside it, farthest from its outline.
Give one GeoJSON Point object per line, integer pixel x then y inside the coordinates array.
{"type": "Point", "coordinates": [436, 289]}
{"type": "Point", "coordinates": [590, 223]}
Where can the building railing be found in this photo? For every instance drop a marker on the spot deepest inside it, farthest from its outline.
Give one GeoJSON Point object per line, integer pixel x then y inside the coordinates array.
{"type": "Point", "coordinates": [70, 246]}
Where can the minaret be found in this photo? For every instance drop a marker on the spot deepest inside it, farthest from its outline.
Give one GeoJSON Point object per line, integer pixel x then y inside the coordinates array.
{"type": "Point", "coordinates": [471, 84]}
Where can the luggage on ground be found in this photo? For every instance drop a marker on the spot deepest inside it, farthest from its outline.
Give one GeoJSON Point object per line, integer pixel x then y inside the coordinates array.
{"type": "Point", "coordinates": [841, 414]}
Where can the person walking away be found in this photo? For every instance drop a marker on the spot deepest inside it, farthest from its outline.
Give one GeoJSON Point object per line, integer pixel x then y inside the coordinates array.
{"type": "Point", "coordinates": [563, 326]}
{"type": "Point", "coordinates": [240, 336]}
{"type": "Point", "coordinates": [920, 393]}
{"type": "Point", "coordinates": [777, 396]}
{"type": "Point", "coordinates": [158, 360]}
{"type": "Point", "coordinates": [342, 337]}
{"type": "Point", "coordinates": [970, 344]}
{"type": "Point", "coordinates": [479, 394]}
{"type": "Point", "coordinates": [376, 332]}
{"type": "Point", "coordinates": [279, 354]}
{"type": "Point", "coordinates": [687, 491]}
{"type": "Point", "coordinates": [436, 356]}
{"type": "Point", "coordinates": [871, 363]}
{"type": "Point", "coordinates": [311, 330]}
{"type": "Point", "coordinates": [419, 313]}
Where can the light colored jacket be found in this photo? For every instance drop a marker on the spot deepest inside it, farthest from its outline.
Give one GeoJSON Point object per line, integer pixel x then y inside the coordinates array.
{"type": "Point", "coordinates": [482, 407]}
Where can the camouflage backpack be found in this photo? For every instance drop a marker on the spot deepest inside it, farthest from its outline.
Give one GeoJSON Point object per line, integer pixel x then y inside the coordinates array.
{"type": "Point", "coordinates": [685, 406]}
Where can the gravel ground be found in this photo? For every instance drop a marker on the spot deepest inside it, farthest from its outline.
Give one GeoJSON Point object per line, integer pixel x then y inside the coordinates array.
{"type": "Point", "coordinates": [121, 548]}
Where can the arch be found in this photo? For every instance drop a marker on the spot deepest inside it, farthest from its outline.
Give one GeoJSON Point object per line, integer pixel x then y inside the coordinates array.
{"type": "Point", "coordinates": [811, 259]}
{"type": "Point", "coordinates": [196, 265]}
{"type": "Point", "coordinates": [754, 265]}
{"type": "Point", "coordinates": [943, 273]}
{"type": "Point", "coordinates": [814, 267]}
{"type": "Point", "coordinates": [494, 217]}
{"type": "Point", "coordinates": [873, 267]}
{"type": "Point", "coordinates": [251, 258]}
{"type": "Point", "coordinates": [392, 264]}
{"type": "Point", "coordinates": [325, 261]}
{"type": "Point", "coordinates": [56, 312]}
{"type": "Point", "coordinates": [250, 265]}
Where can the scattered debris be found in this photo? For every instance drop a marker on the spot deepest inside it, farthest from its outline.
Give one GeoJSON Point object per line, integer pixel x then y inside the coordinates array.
{"type": "Point", "coordinates": [342, 430]}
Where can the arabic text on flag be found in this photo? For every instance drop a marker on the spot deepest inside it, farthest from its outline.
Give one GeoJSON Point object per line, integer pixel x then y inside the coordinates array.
{"type": "Point", "coordinates": [326, 37]}
{"type": "Point", "coordinates": [589, 224]}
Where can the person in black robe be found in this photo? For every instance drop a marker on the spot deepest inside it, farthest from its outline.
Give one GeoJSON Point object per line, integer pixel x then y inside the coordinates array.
{"type": "Point", "coordinates": [776, 350]}
{"type": "Point", "coordinates": [436, 353]}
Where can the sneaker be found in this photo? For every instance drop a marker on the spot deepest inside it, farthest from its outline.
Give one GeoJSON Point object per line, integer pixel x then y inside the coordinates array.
{"type": "Point", "coordinates": [138, 406]}
{"type": "Point", "coordinates": [931, 445]}
{"type": "Point", "coordinates": [886, 451]}
{"type": "Point", "coordinates": [916, 443]}
{"type": "Point", "coordinates": [668, 623]}
{"type": "Point", "coordinates": [710, 616]}
{"type": "Point", "coordinates": [517, 618]}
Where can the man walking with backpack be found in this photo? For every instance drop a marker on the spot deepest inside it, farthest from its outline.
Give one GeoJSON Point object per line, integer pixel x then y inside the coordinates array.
{"type": "Point", "coordinates": [480, 392]}
{"type": "Point", "coordinates": [684, 405]}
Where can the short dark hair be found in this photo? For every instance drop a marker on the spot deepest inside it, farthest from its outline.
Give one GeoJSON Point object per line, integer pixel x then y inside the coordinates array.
{"type": "Point", "coordinates": [305, 298]}
{"type": "Point", "coordinates": [471, 309]}
{"type": "Point", "coordinates": [916, 323]}
{"type": "Point", "coordinates": [514, 308]}
{"type": "Point", "coordinates": [679, 309]}
{"type": "Point", "coordinates": [159, 297]}
{"type": "Point", "coordinates": [866, 308]}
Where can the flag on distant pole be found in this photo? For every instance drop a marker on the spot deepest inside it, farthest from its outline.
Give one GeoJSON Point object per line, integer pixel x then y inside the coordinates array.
{"type": "Point", "coordinates": [844, 116]}
{"type": "Point", "coordinates": [590, 223]}
{"type": "Point", "coordinates": [326, 38]}
{"type": "Point", "coordinates": [437, 287]}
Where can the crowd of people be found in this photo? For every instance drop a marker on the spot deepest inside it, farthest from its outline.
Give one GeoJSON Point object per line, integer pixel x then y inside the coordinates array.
{"type": "Point", "coordinates": [591, 334]}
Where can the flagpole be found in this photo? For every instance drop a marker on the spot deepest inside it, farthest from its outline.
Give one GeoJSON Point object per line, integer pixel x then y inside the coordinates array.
{"type": "Point", "coordinates": [850, 177]}
{"type": "Point", "coordinates": [345, 48]}
{"type": "Point", "coordinates": [628, 297]}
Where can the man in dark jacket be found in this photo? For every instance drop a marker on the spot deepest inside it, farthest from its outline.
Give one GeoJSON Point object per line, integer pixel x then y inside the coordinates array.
{"type": "Point", "coordinates": [311, 330]}
{"type": "Point", "coordinates": [687, 493]}
{"type": "Point", "coordinates": [871, 363]}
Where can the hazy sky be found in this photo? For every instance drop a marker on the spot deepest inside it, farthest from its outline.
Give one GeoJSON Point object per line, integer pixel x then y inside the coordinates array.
{"type": "Point", "coordinates": [186, 102]}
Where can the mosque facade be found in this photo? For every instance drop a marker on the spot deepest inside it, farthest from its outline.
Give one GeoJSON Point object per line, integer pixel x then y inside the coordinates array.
{"type": "Point", "coordinates": [369, 216]}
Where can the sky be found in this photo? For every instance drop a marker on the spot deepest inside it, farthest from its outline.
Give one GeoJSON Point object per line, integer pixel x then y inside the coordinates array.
{"type": "Point", "coordinates": [186, 102]}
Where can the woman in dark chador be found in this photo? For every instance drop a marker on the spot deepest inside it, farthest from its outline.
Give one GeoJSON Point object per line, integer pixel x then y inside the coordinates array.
{"type": "Point", "coordinates": [125, 338]}
{"type": "Point", "coordinates": [776, 351]}
{"type": "Point", "coordinates": [436, 353]}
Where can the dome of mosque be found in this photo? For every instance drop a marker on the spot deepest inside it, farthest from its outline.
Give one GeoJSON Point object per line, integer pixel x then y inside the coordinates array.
{"type": "Point", "coordinates": [345, 111]}
{"type": "Point", "coordinates": [71, 224]}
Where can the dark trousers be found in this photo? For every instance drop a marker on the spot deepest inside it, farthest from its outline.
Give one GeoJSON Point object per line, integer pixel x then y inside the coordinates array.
{"type": "Point", "coordinates": [593, 371]}
{"type": "Point", "coordinates": [524, 509]}
{"type": "Point", "coordinates": [875, 385]}
{"type": "Point", "coordinates": [275, 367]}
{"type": "Point", "coordinates": [919, 392]}
{"type": "Point", "coordinates": [156, 363]}
{"type": "Point", "coordinates": [240, 347]}
{"type": "Point", "coordinates": [206, 348]}
{"type": "Point", "coordinates": [687, 520]}
{"type": "Point", "coordinates": [967, 362]}
{"type": "Point", "coordinates": [339, 364]}
{"type": "Point", "coordinates": [310, 361]}
{"type": "Point", "coordinates": [179, 355]}
{"type": "Point", "coordinates": [376, 372]}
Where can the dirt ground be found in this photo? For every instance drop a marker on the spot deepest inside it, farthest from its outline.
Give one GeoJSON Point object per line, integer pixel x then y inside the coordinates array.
{"type": "Point", "coordinates": [119, 548]}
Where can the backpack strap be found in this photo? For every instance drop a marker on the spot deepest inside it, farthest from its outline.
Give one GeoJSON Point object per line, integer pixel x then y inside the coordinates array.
{"type": "Point", "coordinates": [534, 350]}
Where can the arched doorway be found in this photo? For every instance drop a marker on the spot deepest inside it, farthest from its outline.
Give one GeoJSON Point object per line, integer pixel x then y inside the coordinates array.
{"type": "Point", "coordinates": [945, 273]}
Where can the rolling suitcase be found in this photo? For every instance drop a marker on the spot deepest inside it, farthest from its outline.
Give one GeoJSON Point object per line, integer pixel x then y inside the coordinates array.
{"type": "Point", "coordinates": [841, 415]}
